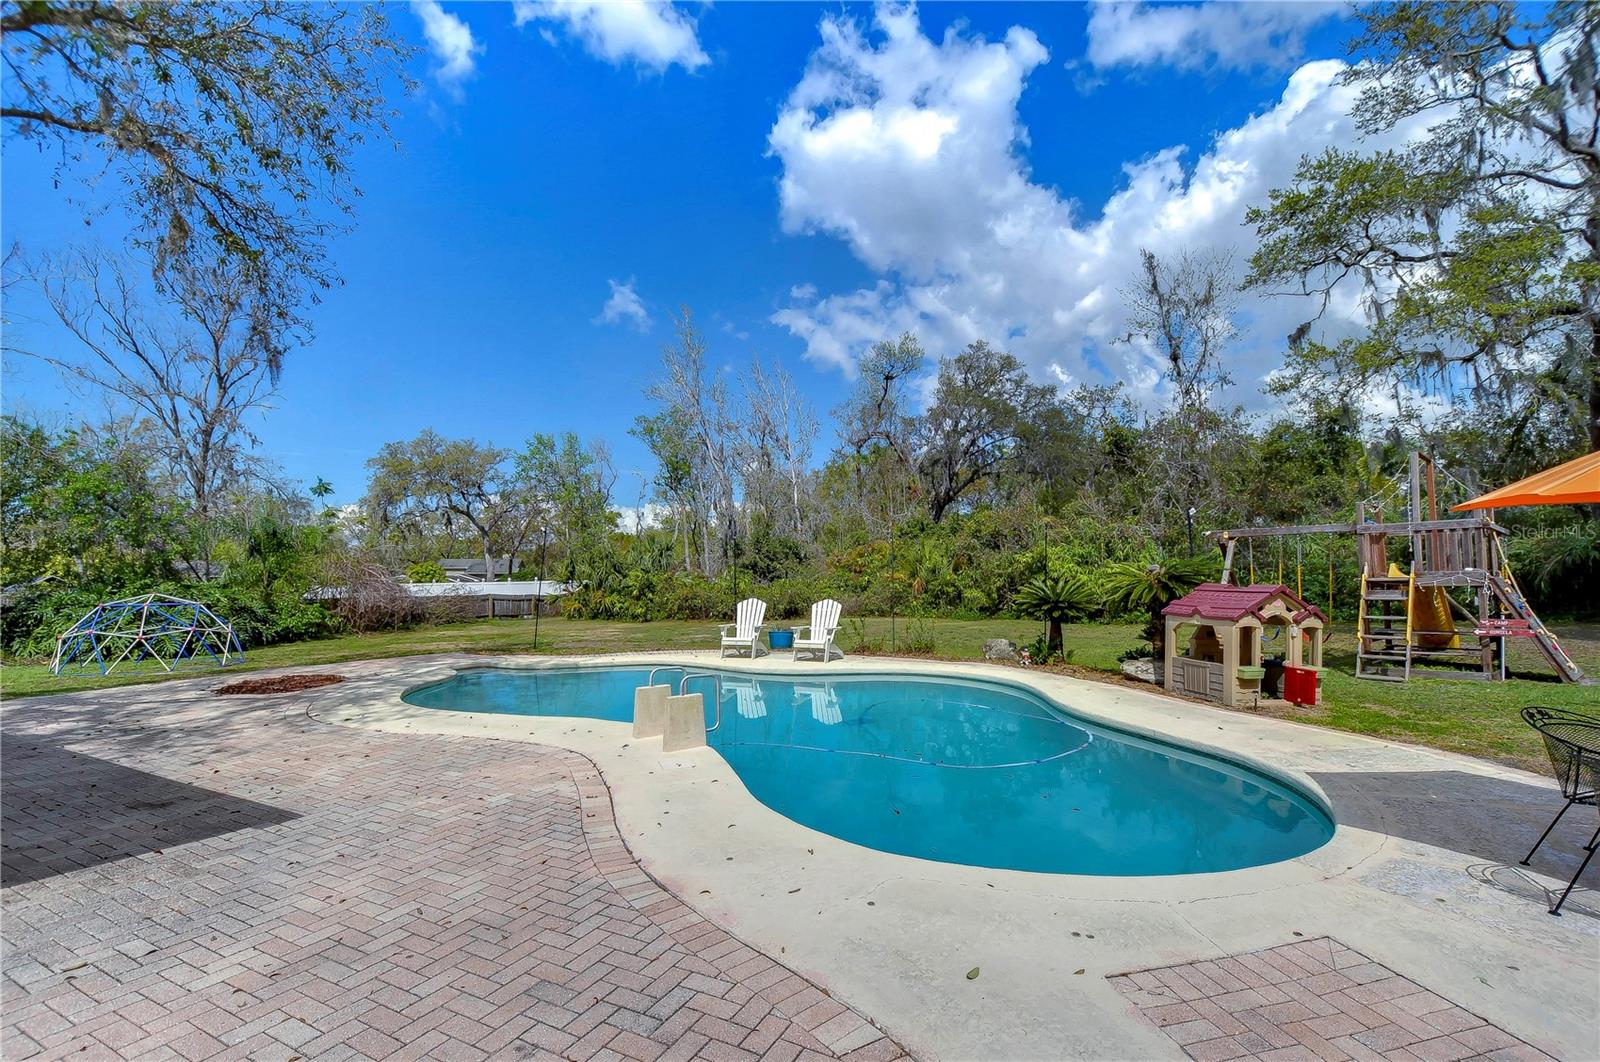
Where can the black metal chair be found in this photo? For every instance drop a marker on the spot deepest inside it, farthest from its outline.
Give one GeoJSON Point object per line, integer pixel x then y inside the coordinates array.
{"type": "Point", "coordinates": [1572, 741]}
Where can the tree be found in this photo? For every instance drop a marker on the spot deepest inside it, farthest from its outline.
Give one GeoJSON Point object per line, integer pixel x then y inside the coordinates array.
{"type": "Point", "coordinates": [703, 435]}
{"type": "Point", "coordinates": [1477, 241]}
{"type": "Point", "coordinates": [81, 505]}
{"type": "Point", "coordinates": [982, 406]}
{"type": "Point", "coordinates": [198, 377]}
{"type": "Point", "coordinates": [878, 428]}
{"type": "Point", "coordinates": [1056, 598]}
{"type": "Point", "coordinates": [1184, 311]}
{"type": "Point", "coordinates": [667, 436]}
{"type": "Point", "coordinates": [878, 411]}
{"type": "Point", "coordinates": [273, 551]}
{"type": "Point", "coordinates": [780, 430]}
{"type": "Point", "coordinates": [573, 487]}
{"type": "Point", "coordinates": [1151, 586]}
{"type": "Point", "coordinates": [226, 123]}
{"type": "Point", "coordinates": [455, 479]}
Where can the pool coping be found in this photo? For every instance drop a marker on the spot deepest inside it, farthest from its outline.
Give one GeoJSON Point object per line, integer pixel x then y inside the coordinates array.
{"type": "Point", "coordinates": [895, 970]}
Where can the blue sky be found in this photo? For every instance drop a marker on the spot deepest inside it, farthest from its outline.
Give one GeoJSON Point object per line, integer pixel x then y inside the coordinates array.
{"type": "Point", "coordinates": [805, 177]}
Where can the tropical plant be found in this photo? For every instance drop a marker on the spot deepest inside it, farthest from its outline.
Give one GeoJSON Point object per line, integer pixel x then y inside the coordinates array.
{"type": "Point", "coordinates": [1151, 586]}
{"type": "Point", "coordinates": [1056, 598]}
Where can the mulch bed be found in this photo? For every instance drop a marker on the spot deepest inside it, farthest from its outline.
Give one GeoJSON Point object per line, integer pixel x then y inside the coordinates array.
{"type": "Point", "coordinates": [281, 684]}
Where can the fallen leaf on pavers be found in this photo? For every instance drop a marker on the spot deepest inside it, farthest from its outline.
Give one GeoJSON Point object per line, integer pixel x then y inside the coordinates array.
{"type": "Point", "coordinates": [1076, 972]}
{"type": "Point", "coordinates": [972, 974]}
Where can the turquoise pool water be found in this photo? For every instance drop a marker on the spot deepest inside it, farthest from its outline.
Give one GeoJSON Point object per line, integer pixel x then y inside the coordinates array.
{"type": "Point", "coordinates": [955, 770]}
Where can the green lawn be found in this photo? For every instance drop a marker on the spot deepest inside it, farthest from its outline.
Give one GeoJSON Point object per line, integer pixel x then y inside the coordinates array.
{"type": "Point", "coordinates": [1097, 646]}
{"type": "Point", "coordinates": [1478, 718]}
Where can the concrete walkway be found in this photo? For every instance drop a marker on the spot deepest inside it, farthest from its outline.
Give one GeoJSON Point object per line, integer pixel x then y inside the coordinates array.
{"type": "Point", "coordinates": [190, 876]}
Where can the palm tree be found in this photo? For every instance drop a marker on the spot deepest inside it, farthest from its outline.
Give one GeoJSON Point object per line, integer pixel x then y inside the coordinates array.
{"type": "Point", "coordinates": [320, 491]}
{"type": "Point", "coordinates": [1056, 598]}
{"type": "Point", "coordinates": [1153, 586]}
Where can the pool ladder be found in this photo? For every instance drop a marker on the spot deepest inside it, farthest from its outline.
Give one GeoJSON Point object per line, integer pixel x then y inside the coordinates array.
{"type": "Point", "coordinates": [683, 685]}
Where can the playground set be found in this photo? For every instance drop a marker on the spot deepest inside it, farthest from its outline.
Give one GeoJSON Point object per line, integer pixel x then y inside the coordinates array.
{"type": "Point", "coordinates": [153, 632]}
{"type": "Point", "coordinates": [1411, 622]}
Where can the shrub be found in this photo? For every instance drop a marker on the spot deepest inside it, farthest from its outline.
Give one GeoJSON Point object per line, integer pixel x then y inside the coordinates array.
{"type": "Point", "coordinates": [919, 638]}
{"type": "Point", "coordinates": [426, 572]}
{"type": "Point", "coordinates": [791, 598]}
{"type": "Point", "coordinates": [694, 597]}
{"type": "Point", "coordinates": [854, 633]}
{"type": "Point", "coordinates": [34, 618]}
{"type": "Point", "coordinates": [1040, 652]}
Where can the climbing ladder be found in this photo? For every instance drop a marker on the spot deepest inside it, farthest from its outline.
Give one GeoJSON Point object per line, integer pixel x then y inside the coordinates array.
{"type": "Point", "coordinates": [1383, 637]}
{"type": "Point", "coordinates": [1527, 624]}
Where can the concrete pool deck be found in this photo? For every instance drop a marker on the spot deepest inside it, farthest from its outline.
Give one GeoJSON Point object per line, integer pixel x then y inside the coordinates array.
{"type": "Point", "coordinates": [1420, 876]}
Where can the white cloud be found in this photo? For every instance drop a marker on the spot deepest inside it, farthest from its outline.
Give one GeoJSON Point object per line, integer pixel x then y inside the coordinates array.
{"type": "Point", "coordinates": [450, 40]}
{"type": "Point", "coordinates": [1195, 36]}
{"type": "Point", "coordinates": [654, 35]}
{"type": "Point", "coordinates": [624, 304]}
{"type": "Point", "coordinates": [909, 150]}
{"type": "Point", "coordinates": [642, 517]}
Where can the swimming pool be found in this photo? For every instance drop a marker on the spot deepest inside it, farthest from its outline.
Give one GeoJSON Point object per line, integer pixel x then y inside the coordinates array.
{"type": "Point", "coordinates": [956, 770]}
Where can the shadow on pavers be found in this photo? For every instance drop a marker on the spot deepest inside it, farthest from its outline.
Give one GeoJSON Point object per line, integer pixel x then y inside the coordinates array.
{"type": "Point", "coordinates": [65, 810]}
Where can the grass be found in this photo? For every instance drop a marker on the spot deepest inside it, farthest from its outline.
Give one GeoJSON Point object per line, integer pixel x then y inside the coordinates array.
{"type": "Point", "coordinates": [1476, 718]}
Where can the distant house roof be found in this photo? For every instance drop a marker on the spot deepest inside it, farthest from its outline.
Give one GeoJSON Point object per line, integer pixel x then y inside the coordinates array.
{"type": "Point", "coordinates": [457, 569]}
{"type": "Point", "coordinates": [1229, 603]}
{"type": "Point", "coordinates": [513, 588]}
{"type": "Point", "coordinates": [205, 571]}
{"type": "Point", "coordinates": [524, 588]}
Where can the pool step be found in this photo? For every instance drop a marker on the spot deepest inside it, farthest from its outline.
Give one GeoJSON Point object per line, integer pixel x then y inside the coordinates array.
{"type": "Point", "coordinates": [680, 722]}
{"type": "Point", "coordinates": [650, 710]}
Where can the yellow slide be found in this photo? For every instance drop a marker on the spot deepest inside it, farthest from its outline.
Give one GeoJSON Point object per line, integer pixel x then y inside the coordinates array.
{"type": "Point", "coordinates": [1430, 611]}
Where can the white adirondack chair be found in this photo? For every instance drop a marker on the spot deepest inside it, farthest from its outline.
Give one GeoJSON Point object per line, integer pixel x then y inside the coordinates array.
{"type": "Point", "coordinates": [745, 630]}
{"type": "Point", "coordinates": [817, 636]}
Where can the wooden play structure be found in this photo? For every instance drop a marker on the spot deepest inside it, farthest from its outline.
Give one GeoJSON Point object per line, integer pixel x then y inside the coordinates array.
{"type": "Point", "coordinates": [1224, 659]}
{"type": "Point", "coordinates": [1411, 624]}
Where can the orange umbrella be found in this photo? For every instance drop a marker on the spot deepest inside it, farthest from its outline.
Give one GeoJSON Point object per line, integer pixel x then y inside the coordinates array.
{"type": "Point", "coordinates": [1569, 484]}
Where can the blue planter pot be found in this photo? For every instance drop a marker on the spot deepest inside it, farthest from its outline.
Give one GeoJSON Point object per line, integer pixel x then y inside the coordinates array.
{"type": "Point", "coordinates": [780, 639]}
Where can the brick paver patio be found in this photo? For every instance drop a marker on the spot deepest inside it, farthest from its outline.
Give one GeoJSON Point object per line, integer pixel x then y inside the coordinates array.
{"type": "Point", "coordinates": [206, 880]}
{"type": "Point", "coordinates": [1313, 1000]}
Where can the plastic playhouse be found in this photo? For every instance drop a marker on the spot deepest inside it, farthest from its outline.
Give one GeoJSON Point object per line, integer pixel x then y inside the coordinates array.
{"type": "Point", "coordinates": [1249, 641]}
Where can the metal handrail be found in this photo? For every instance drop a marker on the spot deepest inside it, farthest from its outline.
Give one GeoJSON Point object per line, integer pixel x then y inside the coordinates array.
{"type": "Point", "coordinates": [683, 685]}
{"type": "Point", "coordinates": [651, 679]}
